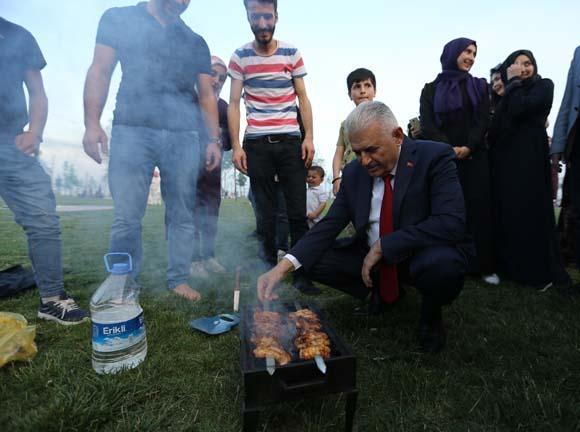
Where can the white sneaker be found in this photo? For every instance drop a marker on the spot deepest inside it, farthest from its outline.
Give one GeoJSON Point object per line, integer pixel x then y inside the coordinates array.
{"type": "Point", "coordinates": [198, 270]}
{"type": "Point", "coordinates": [281, 254]}
{"type": "Point", "coordinates": [212, 265]}
{"type": "Point", "coordinates": [492, 279]}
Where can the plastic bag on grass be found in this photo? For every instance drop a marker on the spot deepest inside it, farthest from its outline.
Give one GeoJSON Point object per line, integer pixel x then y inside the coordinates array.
{"type": "Point", "coordinates": [16, 338]}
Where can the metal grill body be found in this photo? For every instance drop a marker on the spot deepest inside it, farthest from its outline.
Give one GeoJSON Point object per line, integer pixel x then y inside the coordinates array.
{"type": "Point", "coordinates": [296, 380]}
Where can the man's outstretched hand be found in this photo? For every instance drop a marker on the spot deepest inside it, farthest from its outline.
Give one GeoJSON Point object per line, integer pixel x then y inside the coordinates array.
{"type": "Point", "coordinates": [268, 281]}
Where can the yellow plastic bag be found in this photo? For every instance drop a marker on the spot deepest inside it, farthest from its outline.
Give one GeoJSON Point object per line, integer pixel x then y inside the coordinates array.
{"type": "Point", "coordinates": [16, 338]}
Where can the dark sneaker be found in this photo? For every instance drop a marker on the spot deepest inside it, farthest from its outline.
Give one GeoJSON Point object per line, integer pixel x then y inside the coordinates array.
{"type": "Point", "coordinates": [64, 311]}
{"type": "Point", "coordinates": [432, 337]}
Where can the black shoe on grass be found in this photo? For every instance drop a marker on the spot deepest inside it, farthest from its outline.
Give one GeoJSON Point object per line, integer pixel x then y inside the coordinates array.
{"type": "Point", "coordinates": [64, 311]}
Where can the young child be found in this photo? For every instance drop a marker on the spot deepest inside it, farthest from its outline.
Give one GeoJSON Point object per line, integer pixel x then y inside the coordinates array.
{"type": "Point", "coordinates": [361, 86]}
{"type": "Point", "coordinates": [316, 198]}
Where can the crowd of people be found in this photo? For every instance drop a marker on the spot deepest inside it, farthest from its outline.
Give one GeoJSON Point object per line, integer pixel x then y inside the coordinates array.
{"type": "Point", "coordinates": [467, 191]}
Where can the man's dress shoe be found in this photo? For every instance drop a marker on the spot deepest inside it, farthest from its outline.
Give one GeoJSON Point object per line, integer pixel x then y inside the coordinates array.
{"type": "Point", "coordinates": [432, 337]}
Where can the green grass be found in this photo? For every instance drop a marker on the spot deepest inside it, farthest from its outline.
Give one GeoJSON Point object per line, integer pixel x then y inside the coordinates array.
{"type": "Point", "coordinates": [512, 362]}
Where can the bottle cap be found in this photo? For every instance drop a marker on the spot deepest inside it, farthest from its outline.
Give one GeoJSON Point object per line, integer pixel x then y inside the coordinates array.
{"type": "Point", "coordinates": [120, 268]}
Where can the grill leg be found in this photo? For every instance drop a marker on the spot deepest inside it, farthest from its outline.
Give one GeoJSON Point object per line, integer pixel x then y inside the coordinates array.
{"type": "Point", "coordinates": [350, 410]}
{"type": "Point", "coordinates": [251, 418]}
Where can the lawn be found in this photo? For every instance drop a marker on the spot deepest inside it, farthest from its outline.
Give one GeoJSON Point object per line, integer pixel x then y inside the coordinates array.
{"type": "Point", "coordinates": [512, 361]}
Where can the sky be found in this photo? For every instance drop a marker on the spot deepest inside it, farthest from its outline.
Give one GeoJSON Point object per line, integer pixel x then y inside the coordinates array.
{"type": "Point", "coordinates": [399, 41]}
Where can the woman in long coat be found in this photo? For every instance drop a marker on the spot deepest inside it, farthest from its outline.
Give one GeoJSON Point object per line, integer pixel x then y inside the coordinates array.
{"type": "Point", "coordinates": [526, 236]}
{"type": "Point", "coordinates": [455, 110]}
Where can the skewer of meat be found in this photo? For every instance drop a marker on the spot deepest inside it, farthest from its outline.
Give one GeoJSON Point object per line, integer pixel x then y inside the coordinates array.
{"type": "Point", "coordinates": [266, 336]}
{"type": "Point", "coordinates": [311, 341]}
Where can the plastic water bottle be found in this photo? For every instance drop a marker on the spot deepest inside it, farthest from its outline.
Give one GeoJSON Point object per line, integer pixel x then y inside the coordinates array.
{"type": "Point", "coordinates": [119, 338]}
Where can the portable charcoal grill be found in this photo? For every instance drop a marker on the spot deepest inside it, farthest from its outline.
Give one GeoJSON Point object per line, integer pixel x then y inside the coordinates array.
{"type": "Point", "coordinates": [296, 380]}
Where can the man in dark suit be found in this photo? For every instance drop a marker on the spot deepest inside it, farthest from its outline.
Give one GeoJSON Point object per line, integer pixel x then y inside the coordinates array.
{"type": "Point", "coordinates": [406, 204]}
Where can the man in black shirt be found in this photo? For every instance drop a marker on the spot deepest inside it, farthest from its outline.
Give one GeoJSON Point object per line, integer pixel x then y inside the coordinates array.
{"type": "Point", "coordinates": [24, 185]}
{"type": "Point", "coordinates": [155, 124]}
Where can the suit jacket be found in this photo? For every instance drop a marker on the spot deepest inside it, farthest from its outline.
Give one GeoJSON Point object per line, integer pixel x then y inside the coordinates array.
{"type": "Point", "coordinates": [428, 206]}
{"type": "Point", "coordinates": [568, 113]}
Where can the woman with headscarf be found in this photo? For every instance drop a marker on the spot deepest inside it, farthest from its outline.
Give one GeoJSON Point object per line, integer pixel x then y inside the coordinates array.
{"type": "Point", "coordinates": [455, 110]}
{"type": "Point", "coordinates": [497, 87]}
{"type": "Point", "coordinates": [522, 188]}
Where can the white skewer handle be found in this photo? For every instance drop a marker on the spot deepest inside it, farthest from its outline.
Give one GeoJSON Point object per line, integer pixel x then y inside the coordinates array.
{"type": "Point", "coordinates": [270, 365]}
{"type": "Point", "coordinates": [320, 364]}
{"type": "Point", "coordinates": [236, 300]}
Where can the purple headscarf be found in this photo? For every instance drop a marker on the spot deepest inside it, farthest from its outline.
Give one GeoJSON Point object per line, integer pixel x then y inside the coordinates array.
{"type": "Point", "coordinates": [447, 92]}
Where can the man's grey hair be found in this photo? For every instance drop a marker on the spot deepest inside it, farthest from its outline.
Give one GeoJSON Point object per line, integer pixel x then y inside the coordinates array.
{"type": "Point", "coordinates": [367, 113]}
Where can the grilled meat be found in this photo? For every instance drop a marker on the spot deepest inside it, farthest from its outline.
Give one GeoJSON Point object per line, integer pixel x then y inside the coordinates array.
{"type": "Point", "coordinates": [311, 341]}
{"type": "Point", "coordinates": [266, 337]}
{"type": "Point", "coordinates": [311, 352]}
{"type": "Point", "coordinates": [267, 347]}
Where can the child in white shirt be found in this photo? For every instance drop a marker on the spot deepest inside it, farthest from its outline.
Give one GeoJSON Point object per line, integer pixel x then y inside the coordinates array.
{"type": "Point", "coordinates": [316, 198]}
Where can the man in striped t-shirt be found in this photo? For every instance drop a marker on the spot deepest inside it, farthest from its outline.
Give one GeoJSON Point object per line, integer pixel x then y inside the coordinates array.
{"type": "Point", "coordinates": [271, 74]}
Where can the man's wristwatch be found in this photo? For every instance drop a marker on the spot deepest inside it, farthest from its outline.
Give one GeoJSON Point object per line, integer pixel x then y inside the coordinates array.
{"type": "Point", "coordinates": [217, 140]}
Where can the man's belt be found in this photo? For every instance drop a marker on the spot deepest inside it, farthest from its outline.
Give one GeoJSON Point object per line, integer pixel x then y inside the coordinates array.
{"type": "Point", "coordinates": [273, 138]}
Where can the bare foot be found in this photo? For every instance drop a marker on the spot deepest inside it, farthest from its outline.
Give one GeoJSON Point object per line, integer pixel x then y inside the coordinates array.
{"type": "Point", "coordinates": [187, 292]}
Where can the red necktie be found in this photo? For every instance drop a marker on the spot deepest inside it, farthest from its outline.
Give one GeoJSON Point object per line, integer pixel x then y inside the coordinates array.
{"type": "Point", "coordinates": [389, 281]}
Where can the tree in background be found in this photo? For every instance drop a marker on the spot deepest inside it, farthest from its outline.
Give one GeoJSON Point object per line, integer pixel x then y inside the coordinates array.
{"type": "Point", "coordinates": [70, 180]}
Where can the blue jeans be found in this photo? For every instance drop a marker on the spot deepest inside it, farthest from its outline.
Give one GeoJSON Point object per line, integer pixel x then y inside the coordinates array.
{"type": "Point", "coordinates": [135, 152]}
{"type": "Point", "coordinates": [26, 189]}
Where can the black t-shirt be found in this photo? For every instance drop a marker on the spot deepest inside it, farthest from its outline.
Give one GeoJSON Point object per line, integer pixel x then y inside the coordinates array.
{"type": "Point", "coordinates": [19, 53]}
{"type": "Point", "coordinates": [160, 67]}
{"type": "Point", "coordinates": [223, 123]}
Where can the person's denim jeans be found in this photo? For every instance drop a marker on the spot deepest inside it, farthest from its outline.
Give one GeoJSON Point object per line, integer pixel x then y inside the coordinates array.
{"type": "Point", "coordinates": [26, 189]}
{"type": "Point", "coordinates": [135, 151]}
{"type": "Point", "coordinates": [206, 213]}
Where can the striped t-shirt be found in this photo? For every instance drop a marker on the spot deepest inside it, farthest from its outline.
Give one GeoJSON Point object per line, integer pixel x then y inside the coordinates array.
{"type": "Point", "coordinates": [269, 92]}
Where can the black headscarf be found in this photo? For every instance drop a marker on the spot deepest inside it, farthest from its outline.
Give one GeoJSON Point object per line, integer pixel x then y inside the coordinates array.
{"type": "Point", "coordinates": [495, 98]}
{"type": "Point", "coordinates": [510, 61]}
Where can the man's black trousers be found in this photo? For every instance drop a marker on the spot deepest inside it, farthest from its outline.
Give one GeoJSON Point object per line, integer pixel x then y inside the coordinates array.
{"type": "Point", "coordinates": [270, 156]}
